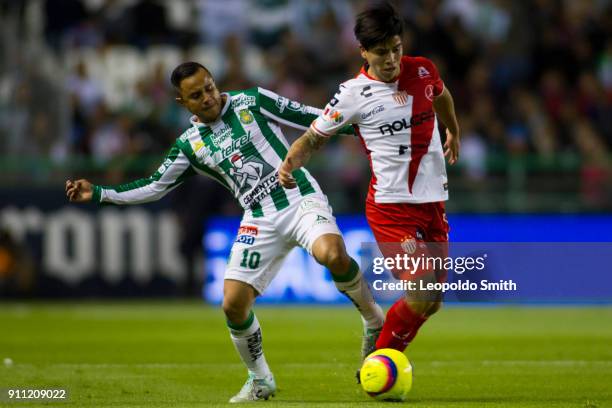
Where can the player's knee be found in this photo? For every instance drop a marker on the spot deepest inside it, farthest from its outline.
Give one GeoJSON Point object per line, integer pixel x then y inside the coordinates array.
{"type": "Point", "coordinates": [330, 252]}
{"type": "Point", "coordinates": [235, 310]}
{"type": "Point", "coordinates": [336, 260]}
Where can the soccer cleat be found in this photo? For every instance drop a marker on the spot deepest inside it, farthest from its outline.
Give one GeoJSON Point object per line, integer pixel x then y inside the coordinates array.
{"type": "Point", "coordinates": [255, 389]}
{"type": "Point", "coordinates": [368, 342]}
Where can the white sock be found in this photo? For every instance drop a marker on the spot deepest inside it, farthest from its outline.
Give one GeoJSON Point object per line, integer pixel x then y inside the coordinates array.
{"type": "Point", "coordinates": [247, 340]}
{"type": "Point", "coordinates": [358, 291]}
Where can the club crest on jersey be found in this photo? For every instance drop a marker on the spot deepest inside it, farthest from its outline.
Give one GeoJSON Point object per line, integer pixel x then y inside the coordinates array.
{"type": "Point", "coordinates": [408, 244]}
{"type": "Point", "coordinates": [245, 116]}
{"type": "Point", "coordinates": [429, 92]}
{"type": "Point", "coordinates": [423, 72]}
{"type": "Point", "coordinates": [400, 97]}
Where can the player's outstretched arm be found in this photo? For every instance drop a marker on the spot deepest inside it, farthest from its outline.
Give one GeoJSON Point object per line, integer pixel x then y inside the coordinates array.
{"type": "Point", "coordinates": [79, 191]}
{"type": "Point", "coordinates": [445, 108]}
{"type": "Point", "coordinates": [173, 171]}
{"type": "Point", "coordinates": [298, 155]}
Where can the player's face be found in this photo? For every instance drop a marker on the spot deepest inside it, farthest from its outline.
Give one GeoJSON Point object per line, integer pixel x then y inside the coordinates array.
{"type": "Point", "coordinates": [199, 94]}
{"type": "Point", "coordinates": [384, 59]}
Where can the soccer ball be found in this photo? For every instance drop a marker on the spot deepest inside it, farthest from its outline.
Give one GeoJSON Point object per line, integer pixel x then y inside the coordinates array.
{"type": "Point", "coordinates": [386, 375]}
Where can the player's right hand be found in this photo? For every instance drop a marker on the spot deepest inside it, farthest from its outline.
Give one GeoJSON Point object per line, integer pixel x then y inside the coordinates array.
{"type": "Point", "coordinates": [451, 147]}
{"type": "Point", "coordinates": [284, 175]}
{"type": "Point", "coordinates": [79, 191]}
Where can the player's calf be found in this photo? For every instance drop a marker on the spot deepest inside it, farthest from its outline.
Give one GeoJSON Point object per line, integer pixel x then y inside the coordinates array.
{"type": "Point", "coordinates": [329, 250]}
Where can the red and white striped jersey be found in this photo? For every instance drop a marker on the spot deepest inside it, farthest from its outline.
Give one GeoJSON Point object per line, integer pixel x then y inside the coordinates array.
{"type": "Point", "coordinates": [398, 128]}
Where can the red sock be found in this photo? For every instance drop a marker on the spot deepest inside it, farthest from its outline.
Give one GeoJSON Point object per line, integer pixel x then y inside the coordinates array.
{"type": "Point", "coordinates": [401, 325]}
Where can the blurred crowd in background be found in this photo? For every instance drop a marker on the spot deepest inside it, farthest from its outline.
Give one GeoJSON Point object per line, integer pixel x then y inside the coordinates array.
{"type": "Point", "coordinates": [85, 91]}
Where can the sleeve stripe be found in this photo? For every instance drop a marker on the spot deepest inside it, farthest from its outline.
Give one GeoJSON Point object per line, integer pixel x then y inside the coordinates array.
{"type": "Point", "coordinates": [281, 120]}
{"type": "Point", "coordinates": [267, 93]}
{"type": "Point", "coordinates": [150, 189]}
{"type": "Point", "coordinates": [319, 132]}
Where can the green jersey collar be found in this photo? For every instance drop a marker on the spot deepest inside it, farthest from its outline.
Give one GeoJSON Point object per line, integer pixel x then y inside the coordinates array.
{"type": "Point", "coordinates": [196, 122]}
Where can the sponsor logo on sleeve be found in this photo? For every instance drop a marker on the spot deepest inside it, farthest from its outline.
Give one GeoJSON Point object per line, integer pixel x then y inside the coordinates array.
{"type": "Point", "coordinates": [189, 133]}
{"type": "Point", "coordinates": [283, 103]}
{"type": "Point", "coordinates": [332, 115]}
{"type": "Point", "coordinates": [296, 106]}
{"type": "Point", "coordinates": [164, 166]}
{"type": "Point", "coordinates": [423, 72]}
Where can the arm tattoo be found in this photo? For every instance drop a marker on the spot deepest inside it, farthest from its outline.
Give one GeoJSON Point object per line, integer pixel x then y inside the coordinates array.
{"type": "Point", "coordinates": [315, 141]}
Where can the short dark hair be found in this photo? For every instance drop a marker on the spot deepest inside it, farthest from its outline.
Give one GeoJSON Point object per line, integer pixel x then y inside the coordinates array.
{"type": "Point", "coordinates": [185, 70]}
{"type": "Point", "coordinates": [376, 24]}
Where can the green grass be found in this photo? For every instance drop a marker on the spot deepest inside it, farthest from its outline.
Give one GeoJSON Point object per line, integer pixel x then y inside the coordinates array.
{"type": "Point", "coordinates": [171, 354]}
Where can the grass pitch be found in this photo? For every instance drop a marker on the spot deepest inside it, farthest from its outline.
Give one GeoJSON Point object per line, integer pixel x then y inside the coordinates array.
{"type": "Point", "coordinates": [178, 354]}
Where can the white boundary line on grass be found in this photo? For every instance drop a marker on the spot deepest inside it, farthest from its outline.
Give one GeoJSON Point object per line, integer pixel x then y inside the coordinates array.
{"type": "Point", "coordinates": [435, 363]}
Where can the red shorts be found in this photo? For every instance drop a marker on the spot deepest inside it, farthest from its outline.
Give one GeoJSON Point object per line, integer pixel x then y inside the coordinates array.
{"type": "Point", "coordinates": [416, 229]}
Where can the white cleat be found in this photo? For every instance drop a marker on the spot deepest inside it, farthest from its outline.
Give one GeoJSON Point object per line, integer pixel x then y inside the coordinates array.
{"type": "Point", "coordinates": [255, 389]}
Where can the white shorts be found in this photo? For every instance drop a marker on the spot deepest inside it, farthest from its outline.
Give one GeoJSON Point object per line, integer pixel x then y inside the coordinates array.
{"type": "Point", "coordinates": [263, 243]}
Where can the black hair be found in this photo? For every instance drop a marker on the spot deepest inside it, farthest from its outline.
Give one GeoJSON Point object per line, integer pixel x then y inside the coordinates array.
{"type": "Point", "coordinates": [376, 24]}
{"type": "Point", "coordinates": [185, 70]}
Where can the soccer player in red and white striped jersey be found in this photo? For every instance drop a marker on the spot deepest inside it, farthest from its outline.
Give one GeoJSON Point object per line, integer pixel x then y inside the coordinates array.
{"type": "Point", "coordinates": [395, 103]}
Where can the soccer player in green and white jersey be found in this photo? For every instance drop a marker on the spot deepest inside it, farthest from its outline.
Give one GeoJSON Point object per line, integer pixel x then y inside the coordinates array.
{"type": "Point", "coordinates": [235, 139]}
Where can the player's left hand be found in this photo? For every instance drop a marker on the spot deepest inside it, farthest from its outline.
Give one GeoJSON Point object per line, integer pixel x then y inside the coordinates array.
{"type": "Point", "coordinates": [79, 191]}
{"type": "Point", "coordinates": [451, 147]}
{"type": "Point", "coordinates": [284, 175]}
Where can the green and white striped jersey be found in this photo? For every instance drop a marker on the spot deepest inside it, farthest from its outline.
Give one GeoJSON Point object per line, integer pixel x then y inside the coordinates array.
{"type": "Point", "coordinates": [242, 150]}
